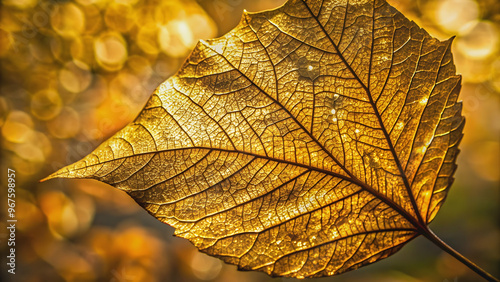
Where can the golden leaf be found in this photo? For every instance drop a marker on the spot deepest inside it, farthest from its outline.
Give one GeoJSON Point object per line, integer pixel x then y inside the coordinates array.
{"type": "Point", "coordinates": [308, 141]}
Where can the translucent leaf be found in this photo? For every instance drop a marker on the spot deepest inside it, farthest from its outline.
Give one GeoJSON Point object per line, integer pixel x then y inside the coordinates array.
{"type": "Point", "coordinates": [308, 141]}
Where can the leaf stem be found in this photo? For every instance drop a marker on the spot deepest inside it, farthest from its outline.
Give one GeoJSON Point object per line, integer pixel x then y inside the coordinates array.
{"type": "Point", "coordinates": [441, 244]}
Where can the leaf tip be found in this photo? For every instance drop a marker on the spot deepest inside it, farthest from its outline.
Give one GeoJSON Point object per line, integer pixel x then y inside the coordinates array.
{"type": "Point", "coordinates": [58, 174]}
{"type": "Point", "coordinates": [45, 179]}
{"type": "Point", "coordinates": [80, 169]}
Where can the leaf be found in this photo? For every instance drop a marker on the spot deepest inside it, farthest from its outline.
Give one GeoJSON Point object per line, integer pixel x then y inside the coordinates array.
{"type": "Point", "coordinates": [308, 141]}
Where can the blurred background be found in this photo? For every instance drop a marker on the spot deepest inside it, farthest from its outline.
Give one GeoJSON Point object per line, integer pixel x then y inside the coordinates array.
{"type": "Point", "coordinates": [74, 72]}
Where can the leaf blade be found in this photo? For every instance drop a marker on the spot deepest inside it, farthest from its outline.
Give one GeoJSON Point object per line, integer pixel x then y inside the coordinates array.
{"type": "Point", "coordinates": [287, 131]}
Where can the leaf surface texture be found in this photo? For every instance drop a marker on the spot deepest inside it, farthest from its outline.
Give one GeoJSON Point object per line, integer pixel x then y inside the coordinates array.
{"type": "Point", "coordinates": [308, 141]}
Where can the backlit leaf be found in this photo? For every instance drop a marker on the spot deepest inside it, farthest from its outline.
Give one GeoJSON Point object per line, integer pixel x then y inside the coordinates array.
{"type": "Point", "coordinates": [308, 141]}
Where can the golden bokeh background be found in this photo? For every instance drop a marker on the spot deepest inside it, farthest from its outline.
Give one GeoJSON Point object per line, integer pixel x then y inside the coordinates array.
{"type": "Point", "coordinates": [74, 72]}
